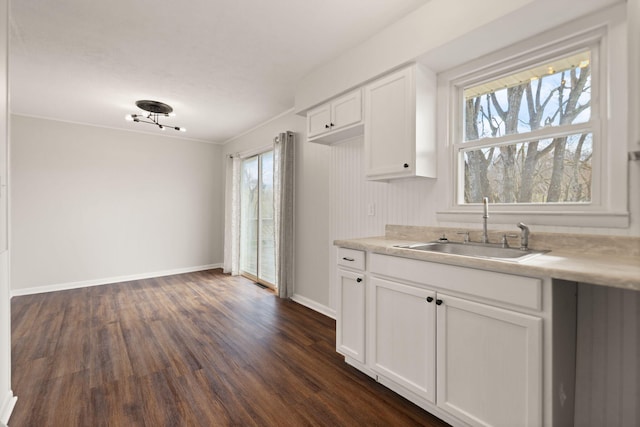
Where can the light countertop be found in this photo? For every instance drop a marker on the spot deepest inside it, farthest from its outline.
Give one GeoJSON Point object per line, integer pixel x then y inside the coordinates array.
{"type": "Point", "coordinates": [618, 270]}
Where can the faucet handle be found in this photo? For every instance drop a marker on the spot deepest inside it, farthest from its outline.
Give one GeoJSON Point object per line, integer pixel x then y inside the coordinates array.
{"type": "Point", "coordinates": [466, 236]}
{"type": "Point", "coordinates": [505, 242]}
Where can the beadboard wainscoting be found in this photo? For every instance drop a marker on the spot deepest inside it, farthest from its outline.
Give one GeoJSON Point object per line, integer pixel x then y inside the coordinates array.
{"type": "Point", "coordinates": [360, 208]}
{"type": "Point", "coordinates": [608, 356]}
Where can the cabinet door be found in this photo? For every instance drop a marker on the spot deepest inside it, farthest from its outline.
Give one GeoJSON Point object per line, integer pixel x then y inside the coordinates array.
{"type": "Point", "coordinates": [389, 134]}
{"type": "Point", "coordinates": [403, 335]}
{"type": "Point", "coordinates": [346, 110]}
{"type": "Point", "coordinates": [489, 364]}
{"type": "Point", "coordinates": [350, 319]}
{"type": "Point", "coordinates": [318, 121]}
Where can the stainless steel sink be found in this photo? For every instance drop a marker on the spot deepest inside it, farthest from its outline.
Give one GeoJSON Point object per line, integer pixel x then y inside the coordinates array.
{"type": "Point", "coordinates": [475, 250]}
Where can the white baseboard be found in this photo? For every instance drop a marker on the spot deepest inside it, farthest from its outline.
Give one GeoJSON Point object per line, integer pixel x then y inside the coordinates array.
{"type": "Point", "coordinates": [106, 281]}
{"type": "Point", "coordinates": [6, 408]}
{"type": "Point", "coordinates": [322, 309]}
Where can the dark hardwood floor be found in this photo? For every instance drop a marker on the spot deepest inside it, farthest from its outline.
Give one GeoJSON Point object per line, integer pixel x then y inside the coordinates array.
{"type": "Point", "coordinates": [198, 349]}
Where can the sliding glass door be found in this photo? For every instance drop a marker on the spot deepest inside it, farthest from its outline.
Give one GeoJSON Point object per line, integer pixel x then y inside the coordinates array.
{"type": "Point", "coordinates": [257, 237]}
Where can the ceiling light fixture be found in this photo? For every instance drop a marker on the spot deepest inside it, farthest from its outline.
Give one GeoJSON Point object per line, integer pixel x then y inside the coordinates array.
{"type": "Point", "coordinates": [156, 110]}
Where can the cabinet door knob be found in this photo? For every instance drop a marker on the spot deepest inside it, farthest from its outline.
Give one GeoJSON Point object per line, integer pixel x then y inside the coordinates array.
{"type": "Point", "coordinates": [406, 165]}
{"type": "Point", "coordinates": [438, 302]}
{"type": "Point", "coordinates": [331, 124]}
{"type": "Point", "coordinates": [359, 279]}
{"type": "Point", "coordinates": [429, 299]}
{"type": "Point", "coordinates": [326, 126]}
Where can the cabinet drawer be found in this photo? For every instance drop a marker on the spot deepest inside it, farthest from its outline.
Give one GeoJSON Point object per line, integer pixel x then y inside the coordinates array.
{"type": "Point", "coordinates": [505, 288]}
{"type": "Point", "coordinates": [351, 258]}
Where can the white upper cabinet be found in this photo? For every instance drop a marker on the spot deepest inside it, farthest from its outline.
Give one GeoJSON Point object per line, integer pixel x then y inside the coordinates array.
{"type": "Point", "coordinates": [336, 120]}
{"type": "Point", "coordinates": [318, 121]}
{"type": "Point", "coordinates": [399, 130]}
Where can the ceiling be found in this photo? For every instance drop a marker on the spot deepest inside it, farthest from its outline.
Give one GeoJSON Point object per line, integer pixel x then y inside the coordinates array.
{"type": "Point", "coordinates": [225, 66]}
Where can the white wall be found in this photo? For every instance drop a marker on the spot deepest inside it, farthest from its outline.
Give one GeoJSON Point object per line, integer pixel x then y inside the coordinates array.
{"type": "Point", "coordinates": [94, 205]}
{"type": "Point", "coordinates": [441, 34]}
{"type": "Point", "coordinates": [7, 400]}
{"type": "Point", "coordinates": [312, 244]}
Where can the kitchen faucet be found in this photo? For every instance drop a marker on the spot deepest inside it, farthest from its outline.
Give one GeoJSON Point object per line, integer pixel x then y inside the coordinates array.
{"type": "Point", "coordinates": [524, 236]}
{"type": "Point", "coordinates": [485, 215]}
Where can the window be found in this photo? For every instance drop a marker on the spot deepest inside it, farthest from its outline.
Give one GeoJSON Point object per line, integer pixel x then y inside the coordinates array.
{"type": "Point", "coordinates": [540, 128]}
{"type": "Point", "coordinates": [528, 135]}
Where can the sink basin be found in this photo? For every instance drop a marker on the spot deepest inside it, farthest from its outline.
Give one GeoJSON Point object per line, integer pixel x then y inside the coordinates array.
{"type": "Point", "coordinates": [475, 250]}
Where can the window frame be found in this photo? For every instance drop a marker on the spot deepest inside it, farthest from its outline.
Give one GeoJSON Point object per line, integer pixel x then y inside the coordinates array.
{"type": "Point", "coordinates": [459, 144]}
{"type": "Point", "coordinates": [607, 43]}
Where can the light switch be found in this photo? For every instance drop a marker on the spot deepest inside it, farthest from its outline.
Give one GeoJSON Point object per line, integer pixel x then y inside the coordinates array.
{"type": "Point", "coordinates": [371, 209]}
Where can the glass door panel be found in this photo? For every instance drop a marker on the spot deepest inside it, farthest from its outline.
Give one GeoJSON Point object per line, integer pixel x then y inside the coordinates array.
{"type": "Point", "coordinates": [249, 216]}
{"type": "Point", "coordinates": [266, 254]}
{"type": "Point", "coordinates": [257, 231]}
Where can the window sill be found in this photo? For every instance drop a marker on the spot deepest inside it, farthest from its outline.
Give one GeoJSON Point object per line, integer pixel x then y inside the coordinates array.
{"type": "Point", "coordinates": [557, 218]}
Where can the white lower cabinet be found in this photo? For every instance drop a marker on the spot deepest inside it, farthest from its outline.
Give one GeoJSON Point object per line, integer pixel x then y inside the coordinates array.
{"type": "Point", "coordinates": [403, 335]}
{"type": "Point", "coordinates": [351, 305]}
{"type": "Point", "coordinates": [350, 321]}
{"type": "Point", "coordinates": [489, 363]}
{"type": "Point", "coordinates": [473, 347]}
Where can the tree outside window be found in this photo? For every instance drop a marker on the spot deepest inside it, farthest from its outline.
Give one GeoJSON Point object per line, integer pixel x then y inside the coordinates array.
{"type": "Point", "coordinates": [528, 136]}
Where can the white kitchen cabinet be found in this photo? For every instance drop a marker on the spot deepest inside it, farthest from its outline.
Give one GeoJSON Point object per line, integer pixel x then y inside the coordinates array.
{"type": "Point", "coordinates": [351, 312]}
{"type": "Point", "coordinates": [318, 121]}
{"type": "Point", "coordinates": [403, 335]}
{"type": "Point", "coordinates": [399, 130]}
{"type": "Point", "coordinates": [489, 363]}
{"type": "Point", "coordinates": [338, 119]}
{"type": "Point", "coordinates": [350, 333]}
{"type": "Point", "coordinates": [473, 347]}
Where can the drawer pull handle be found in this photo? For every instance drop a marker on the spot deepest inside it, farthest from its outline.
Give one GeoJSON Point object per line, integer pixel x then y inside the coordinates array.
{"type": "Point", "coordinates": [359, 279]}
{"type": "Point", "coordinates": [348, 259]}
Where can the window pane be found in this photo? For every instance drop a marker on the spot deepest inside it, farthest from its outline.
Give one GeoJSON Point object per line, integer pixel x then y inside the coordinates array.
{"type": "Point", "coordinates": [267, 229]}
{"type": "Point", "coordinates": [554, 170]}
{"type": "Point", "coordinates": [551, 94]}
{"type": "Point", "coordinates": [257, 231]}
{"type": "Point", "coordinates": [249, 216]}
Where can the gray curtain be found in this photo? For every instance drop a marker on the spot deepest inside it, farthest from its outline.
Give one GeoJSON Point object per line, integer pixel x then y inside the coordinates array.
{"type": "Point", "coordinates": [232, 216]}
{"type": "Point", "coordinates": [283, 177]}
